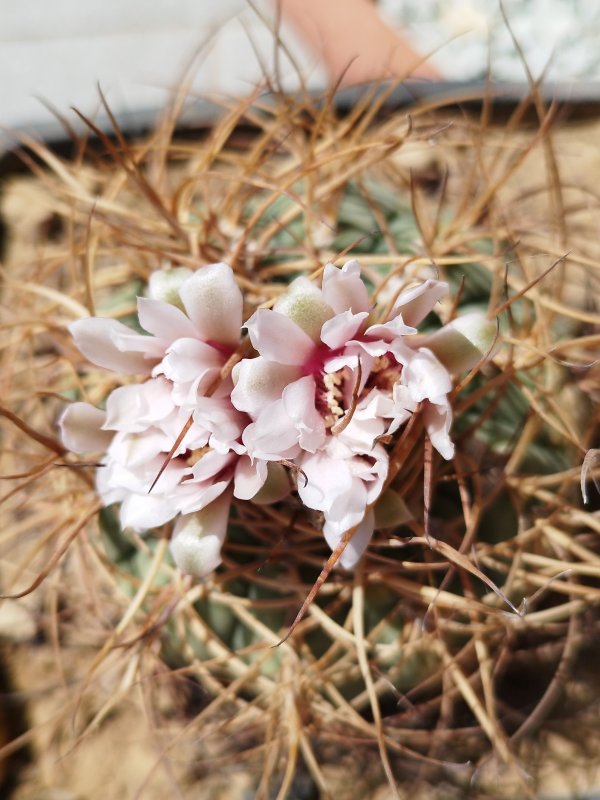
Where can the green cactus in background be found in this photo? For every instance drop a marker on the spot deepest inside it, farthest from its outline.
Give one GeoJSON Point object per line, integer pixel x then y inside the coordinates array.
{"type": "Point", "coordinates": [475, 561]}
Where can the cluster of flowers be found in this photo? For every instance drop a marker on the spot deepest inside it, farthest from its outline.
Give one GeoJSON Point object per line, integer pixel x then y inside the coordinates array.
{"type": "Point", "coordinates": [331, 377]}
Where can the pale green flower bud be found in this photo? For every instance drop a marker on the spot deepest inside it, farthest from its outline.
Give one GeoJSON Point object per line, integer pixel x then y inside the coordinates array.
{"type": "Point", "coordinates": [197, 538]}
{"type": "Point", "coordinates": [275, 488]}
{"type": "Point", "coordinates": [164, 284]}
{"type": "Point", "coordinates": [391, 510]}
{"type": "Point", "coordinates": [460, 344]}
{"type": "Point", "coordinates": [304, 304]}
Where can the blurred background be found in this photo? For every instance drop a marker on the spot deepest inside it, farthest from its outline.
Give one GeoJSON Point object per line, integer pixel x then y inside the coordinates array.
{"type": "Point", "coordinates": [57, 53]}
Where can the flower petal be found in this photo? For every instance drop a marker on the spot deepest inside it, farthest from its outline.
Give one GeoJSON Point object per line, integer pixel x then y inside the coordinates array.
{"type": "Point", "coordinates": [112, 345]}
{"type": "Point", "coordinates": [224, 422]}
{"type": "Point", "coordinates": [164, 320]}
{"type": "Point", "coordinates": [125, 471]}
{"type": "Point", "coordinates": [259, 382]}
{"type": "Point", "coordinates": [192, 365]}
{"type": "Point", "coordinates": [133, 407]}
{"type": "Point", "coordinates": [426, 378]}
{"type": "Point", "coordinates": [210, 465]}
{"type": "Point", "coordinates": [357, 544]}
{"type": "Point", "coordinates": [299, 404]}
{"type": "Point", "coordinates": [403, 407]}
{"type": "Point", "coordinates": [390, 330]}
{"type": "Point", "coordinates": [135, 450]}
{"type": "Point", "coordinates": [81, 428]}
{"type": "Point", "coordinates": [367, 424]}
{"type": "Point", "coordinates": [326, 481]}
{"type": "Point", "coordinates": [213, 301]}
{"type": "Point", "coordinates": [193, 496]}
{"type": "Point", "coordinates": [339, 330]}
{"type": "Point", "coordinates": [343, 289]}
{"type": "Point", "coordinates": [414, 304]}
{"type": "Point", "coordinates": [279, 339]}
{"type": "Point", "coordinates": [273, 436]}
{"type": "Point", "coordinates": [143, 512]}
{"type": "Point", "coordinates": [249, 477]}
{"type": "Point", "coordinates": [437, 418]}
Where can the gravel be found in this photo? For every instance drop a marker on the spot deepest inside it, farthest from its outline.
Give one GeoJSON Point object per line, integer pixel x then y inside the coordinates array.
{"type": "Point", "coordinates": [470, 37]}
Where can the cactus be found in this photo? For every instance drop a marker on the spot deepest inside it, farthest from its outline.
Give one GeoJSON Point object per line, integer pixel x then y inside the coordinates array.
{"type": "Point", "coordinates": [413, 655]}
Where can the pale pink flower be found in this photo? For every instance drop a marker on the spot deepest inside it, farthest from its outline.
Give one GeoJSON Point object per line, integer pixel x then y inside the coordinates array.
{"type": "Point", "coordinates": [188, 348]}
{"type": "Point", "coordinates": [181, 358]}
{"type": "Point", "coordinates": [317, 351]}
{"type": "Point", "coordinates": [328, 382]}
{"type": "Point", "coordinates": [345, 478]}
{"type": "Point", "coordinates": [137, 430]}
{"type": "Point", "coordinates": [319, 392]}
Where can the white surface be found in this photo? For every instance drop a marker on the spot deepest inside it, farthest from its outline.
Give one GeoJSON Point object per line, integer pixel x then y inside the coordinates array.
{"type": "Point", "coordinates": [559, 37]}
{"type": "Point", "coordinates": [137, 51]}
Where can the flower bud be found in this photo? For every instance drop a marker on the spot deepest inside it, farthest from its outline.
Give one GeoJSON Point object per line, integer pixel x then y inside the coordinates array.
{"type": "Point", "coordinates": [164, 284]}
{"type": "Point", "coordinates": [303, 303]}
{"type": "Point", "coordinates": [275, 488]}
{"type": "Point", "coordinates": [460, 344]}
{"type": "Point", "coordinates": [197, 538]}
{"type": "Point", "coordinates": [391, 510]}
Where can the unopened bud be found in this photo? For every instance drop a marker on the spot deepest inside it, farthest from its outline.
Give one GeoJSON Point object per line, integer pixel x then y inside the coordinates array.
{"type": "Point", "coordinates": [164, 284]}
{"type": "Point", "coordinates": [275, 488]}
{"type": "Point", "coordinates": [303, 303]}
{"type": "Point", "coordinates": [391, 510]}
{"type": "Point", "coordinates": [198, 538]}
{"type": "Point", "coordinates": [462, 343]}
